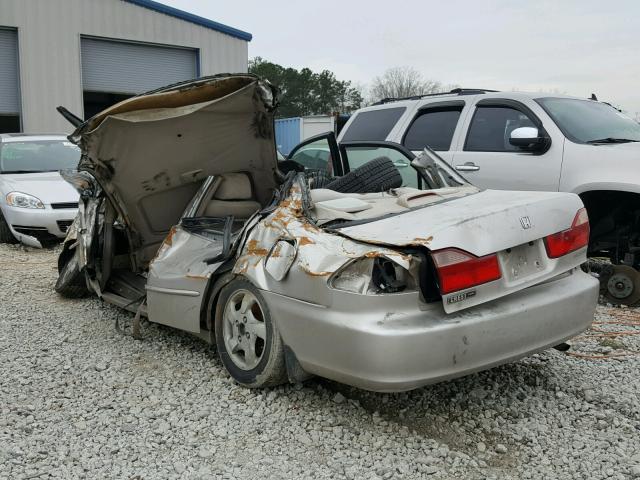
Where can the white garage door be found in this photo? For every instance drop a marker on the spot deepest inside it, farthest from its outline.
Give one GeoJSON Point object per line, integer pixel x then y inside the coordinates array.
{"type": "Point", "coordinates": [9, 90]}
{"type": "Point", "coordinates": [122, 67]}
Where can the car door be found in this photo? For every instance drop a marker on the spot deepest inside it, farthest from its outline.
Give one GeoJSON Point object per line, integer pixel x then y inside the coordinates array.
{"type": "Point", "coordinates": [318, 153]}
{"type": "Point", "coordinates": [349, 155]}
{"type": "Point", "coordinates": [179, 274]}
{"type": "Point", "coordinates": [356, 154]}
{"type": "Point", "coordinates": [487, 159]}
{"type": "Point", "coordinates": [436, 125]}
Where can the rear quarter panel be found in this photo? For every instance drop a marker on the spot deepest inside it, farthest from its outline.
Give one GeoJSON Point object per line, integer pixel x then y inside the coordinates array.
{"type": "Point", "coordinates": [600, 167]}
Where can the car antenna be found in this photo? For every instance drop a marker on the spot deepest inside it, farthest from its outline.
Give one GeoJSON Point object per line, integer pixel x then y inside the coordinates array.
{"type": "Point", "coordinates": [593, 97]}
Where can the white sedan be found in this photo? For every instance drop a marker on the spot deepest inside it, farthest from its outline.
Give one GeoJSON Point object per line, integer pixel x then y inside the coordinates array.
{"type": "Point", "coordinates": [36, 204]}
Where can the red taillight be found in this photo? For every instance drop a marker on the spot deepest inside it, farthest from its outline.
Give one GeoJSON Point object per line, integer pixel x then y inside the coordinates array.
{"type": "Point", "coordinates": [458, 269]}
{"type": "Point", "coordinates": [569, 240]}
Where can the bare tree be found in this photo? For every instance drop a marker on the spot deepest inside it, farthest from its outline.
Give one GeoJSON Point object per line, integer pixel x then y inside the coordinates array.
{"type": "Point", "coordinates": [401, 82]}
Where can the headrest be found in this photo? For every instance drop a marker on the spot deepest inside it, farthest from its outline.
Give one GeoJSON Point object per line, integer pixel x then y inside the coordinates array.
{"type": "Point", "coordinates": [234, 186]}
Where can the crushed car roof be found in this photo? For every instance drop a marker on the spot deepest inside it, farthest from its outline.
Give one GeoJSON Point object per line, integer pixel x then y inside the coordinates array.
{"type": "Point", "coordinates": [151, 152]}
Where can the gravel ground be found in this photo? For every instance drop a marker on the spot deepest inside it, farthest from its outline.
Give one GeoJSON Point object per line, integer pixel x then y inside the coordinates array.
{"type": "Point", "coordinates": [79, 400]}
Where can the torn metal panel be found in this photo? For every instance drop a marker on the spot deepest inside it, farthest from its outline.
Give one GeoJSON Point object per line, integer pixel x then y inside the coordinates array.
{"type": "Point", "coordinates": [185, 254]}
{"type": "Point", "coordinates": [319, 253]}
{"type": "Point", "coordinates": [178, 277]}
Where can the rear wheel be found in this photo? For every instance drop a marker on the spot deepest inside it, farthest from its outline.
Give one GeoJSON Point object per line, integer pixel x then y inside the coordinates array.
{"type": "Point", "coordinates": [71, 282]}
{"type": "Point", "coordinates": [5, 233]}
{"type": "Point", "coordinates": [248, 341]}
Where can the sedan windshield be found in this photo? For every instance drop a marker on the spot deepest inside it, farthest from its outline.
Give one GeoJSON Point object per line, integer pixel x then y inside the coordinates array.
{"type": "Point", "coordinates": [588, 121]}
{"type": "Point", "coordinates": [38, 156]}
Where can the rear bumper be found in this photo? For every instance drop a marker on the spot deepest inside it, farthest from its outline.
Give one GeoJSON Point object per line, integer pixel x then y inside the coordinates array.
{"type": "Point", "coordinates": [37, 227]}
{"type": "Point", "coordinates": [386, 343]}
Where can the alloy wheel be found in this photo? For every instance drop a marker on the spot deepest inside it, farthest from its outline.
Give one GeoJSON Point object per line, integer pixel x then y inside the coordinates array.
{"type": "Point", "coordinates": [244, 330]}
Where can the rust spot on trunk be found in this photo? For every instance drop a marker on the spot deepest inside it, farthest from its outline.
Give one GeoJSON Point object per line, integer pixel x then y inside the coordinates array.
{"type": "Point", "coordinates": [310, 228]}
{"type": "Point", "coordinates": [306, 241]}
{"type": "Point", "coordinates": [423, 241]}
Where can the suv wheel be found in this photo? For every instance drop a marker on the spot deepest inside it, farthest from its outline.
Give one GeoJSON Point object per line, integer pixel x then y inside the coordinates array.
{"type": "Point", "coordinates": [623, 285]}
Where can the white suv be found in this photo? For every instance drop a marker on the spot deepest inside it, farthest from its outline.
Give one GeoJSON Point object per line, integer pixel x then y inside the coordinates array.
{"type": "Point", "coordinates": [531, 141]}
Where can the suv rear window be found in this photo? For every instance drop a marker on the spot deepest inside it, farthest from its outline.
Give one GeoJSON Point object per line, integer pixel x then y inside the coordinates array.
{"type": "Point", "coordinates": [433, 127]}
{"type": "Point", "coordinates": [374, 125]}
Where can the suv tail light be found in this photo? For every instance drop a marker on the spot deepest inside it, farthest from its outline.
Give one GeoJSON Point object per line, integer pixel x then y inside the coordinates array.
{"type": "Point", "coordinates": [458, 269]}
{"type": "Point", "coordinates": [570, 240]}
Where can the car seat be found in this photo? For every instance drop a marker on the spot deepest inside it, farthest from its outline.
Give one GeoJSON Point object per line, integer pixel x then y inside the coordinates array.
{"type": "Point", "coordinates": [234, 196]}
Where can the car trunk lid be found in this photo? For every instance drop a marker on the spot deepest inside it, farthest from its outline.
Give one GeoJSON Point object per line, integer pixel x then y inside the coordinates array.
{"type": "Point", "coordinates": [510, 224]}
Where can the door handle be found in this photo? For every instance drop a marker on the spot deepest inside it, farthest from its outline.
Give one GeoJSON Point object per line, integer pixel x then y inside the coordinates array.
{"type": "Point", "coordinates": [467, 167]}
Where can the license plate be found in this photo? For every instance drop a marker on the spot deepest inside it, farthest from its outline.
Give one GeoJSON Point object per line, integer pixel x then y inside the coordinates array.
{"type": "Point", "coordinates": [522, 262]}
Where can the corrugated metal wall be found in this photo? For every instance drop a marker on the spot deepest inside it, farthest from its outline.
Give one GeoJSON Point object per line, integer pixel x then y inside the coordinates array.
{"type": "Point", "coordinates": [9, 84]}
{"type": "Point", "coordinates": [49, 43]}
{"type": "Point", "coordinates": [287, 134]}
{"type": "Point", "coordinates": [315, 125]}
{"type": "Point", "coordinates": [124, 67]}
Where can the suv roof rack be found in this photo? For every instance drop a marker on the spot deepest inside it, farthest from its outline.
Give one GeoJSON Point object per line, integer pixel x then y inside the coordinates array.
{"type": "Point", "coordinates": [455, 91]}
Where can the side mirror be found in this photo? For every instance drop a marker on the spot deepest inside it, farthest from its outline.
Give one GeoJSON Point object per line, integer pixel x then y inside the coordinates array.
{"type": "Point", "coordinates": [528, 138]}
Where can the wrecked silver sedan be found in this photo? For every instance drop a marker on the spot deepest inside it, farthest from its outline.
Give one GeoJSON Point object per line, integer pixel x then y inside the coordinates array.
{"type": "Point", "coordinates": [368, 266]}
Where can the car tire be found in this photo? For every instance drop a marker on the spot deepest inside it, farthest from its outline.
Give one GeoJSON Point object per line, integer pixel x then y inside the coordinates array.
{"type": "Point", "coordinates": [378, 175]}
{"type": "Point", "coordinates": [5, 233]}
{"type": "Point", "coordinates": [318, 178]}
{"type": "Point", "coordinates": [71, 282]}
{"type": "Point", "coordinates": [247, 339]}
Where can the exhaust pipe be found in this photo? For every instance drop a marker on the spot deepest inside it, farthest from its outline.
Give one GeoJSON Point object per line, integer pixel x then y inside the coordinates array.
{"type": "Point", "coordinates": [562, 347]}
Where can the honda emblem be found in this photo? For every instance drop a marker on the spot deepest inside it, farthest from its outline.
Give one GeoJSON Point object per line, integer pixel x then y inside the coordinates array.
{"type": "Point", "coordinates": [525, 222]}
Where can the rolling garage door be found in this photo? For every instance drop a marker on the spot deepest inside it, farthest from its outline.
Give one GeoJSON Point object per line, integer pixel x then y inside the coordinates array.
{"type": "Point", "coordinates": [131, 68]}
{"type": "Point", "coordinates": [9, 82]}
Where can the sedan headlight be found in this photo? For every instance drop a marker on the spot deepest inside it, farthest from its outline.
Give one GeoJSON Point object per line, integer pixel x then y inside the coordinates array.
{"type": "Point", "coordinates": [23, 200]}
{"type": "Point", "coordinates": [374, 276]}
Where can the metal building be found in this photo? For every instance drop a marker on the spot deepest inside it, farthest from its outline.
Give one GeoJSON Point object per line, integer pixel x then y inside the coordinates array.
{"type": "Point", "coordinates": [89, 54]}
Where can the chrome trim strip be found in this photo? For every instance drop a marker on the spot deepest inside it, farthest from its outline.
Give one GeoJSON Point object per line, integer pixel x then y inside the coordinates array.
{"type": "Point", "coordinates": [172, 291]}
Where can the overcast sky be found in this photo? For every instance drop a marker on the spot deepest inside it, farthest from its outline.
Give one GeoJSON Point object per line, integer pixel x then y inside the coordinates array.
{"type": "Point", "coordinates": [574, 47]}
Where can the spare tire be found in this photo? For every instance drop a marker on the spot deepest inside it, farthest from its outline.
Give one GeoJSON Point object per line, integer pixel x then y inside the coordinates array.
{"type": "Point", "coordinates": [318, 178]}
{"type": "Point", "coordinates": [378, 175]}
